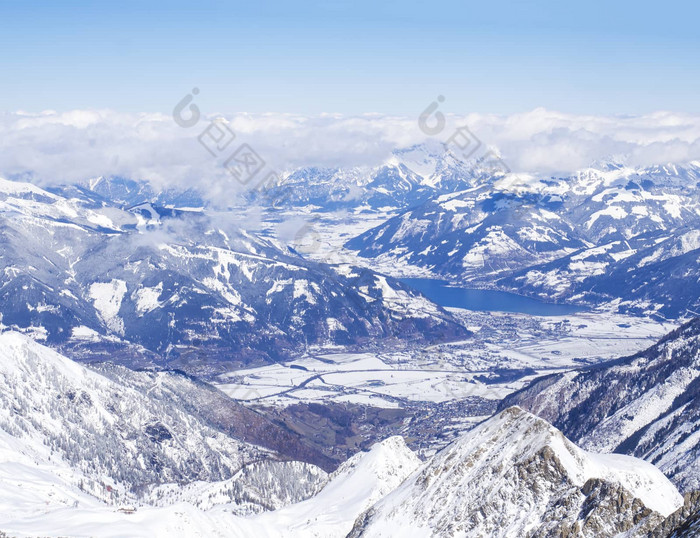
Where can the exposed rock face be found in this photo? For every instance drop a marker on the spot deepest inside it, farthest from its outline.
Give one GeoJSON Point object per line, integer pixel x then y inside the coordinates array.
{"type": "Point", "coordinates": [515, 475]}
{"type": "Point", "coordinates": [647, 405]}
{"type": "Point", "coordinates": [684, 522]}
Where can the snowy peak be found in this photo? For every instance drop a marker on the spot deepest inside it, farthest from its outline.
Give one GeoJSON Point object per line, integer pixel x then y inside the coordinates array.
{"type": "Point", "coordinates": [515, 474]}
{"type": "Point", "coordinates": [647, 405]}
{"type": "Point", "coordinates": [518, 436]}
{"type": "Point", "coordinates": [351, 489]}
{"type": "Point", "coordinates": [21, 356]}
{"type": "Point", "coordinates": [373, 474]}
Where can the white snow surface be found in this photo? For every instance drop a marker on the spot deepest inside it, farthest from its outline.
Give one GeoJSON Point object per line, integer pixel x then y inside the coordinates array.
{"type": "Point", "coordinates": [473, 487]}
{"type": "Point", "coordinates": [107, 297]}
{"type": "Point", "coordinates": [353, 488]}
{"type": "Point", "coordinates": [38, 493]}
{"type": "Point", "coordinates": [64, 415]}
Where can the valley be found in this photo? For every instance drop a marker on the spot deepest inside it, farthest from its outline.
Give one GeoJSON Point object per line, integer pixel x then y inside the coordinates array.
{"type": "Point", "coordinates": [349, 269]}
{"type": "Point", "coordinates": [287, 363]}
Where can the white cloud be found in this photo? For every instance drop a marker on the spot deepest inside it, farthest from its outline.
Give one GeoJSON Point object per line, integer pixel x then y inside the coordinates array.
{"type": "Point", "coordinates": [51, 147]}
{"type": "Point", "coordinates": [547, 141]}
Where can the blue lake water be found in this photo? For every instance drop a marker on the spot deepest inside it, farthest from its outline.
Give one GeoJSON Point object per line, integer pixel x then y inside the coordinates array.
{"type": "Point", "coordinates": [445, 295]}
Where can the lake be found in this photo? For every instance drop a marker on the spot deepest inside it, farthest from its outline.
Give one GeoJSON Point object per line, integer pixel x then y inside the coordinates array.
{"type": "Point", "coordinates": [440, 292]}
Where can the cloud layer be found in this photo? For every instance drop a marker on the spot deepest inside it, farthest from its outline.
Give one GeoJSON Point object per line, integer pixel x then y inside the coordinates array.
{"type": "Point", "coordinates": [52, 147]}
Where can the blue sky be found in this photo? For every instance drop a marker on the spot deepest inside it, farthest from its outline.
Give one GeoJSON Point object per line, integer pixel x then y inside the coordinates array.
{"type": "Point", "coordinates": [351, 57]}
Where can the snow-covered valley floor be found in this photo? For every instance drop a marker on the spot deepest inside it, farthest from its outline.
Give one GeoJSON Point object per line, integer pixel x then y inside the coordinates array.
{"type": "Point", "coordinates": [506, 352]}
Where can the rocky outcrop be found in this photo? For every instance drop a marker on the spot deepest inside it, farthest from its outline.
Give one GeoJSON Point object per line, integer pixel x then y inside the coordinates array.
{"type": "Point", "coordinates": [516, 475]}
{"type": "Point", "coordinates": [647, 405]}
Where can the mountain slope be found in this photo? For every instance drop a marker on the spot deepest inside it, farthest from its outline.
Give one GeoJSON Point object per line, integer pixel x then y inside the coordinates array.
{"type": "Point", "coordinates": [646, 405]}
{"type": "Point", "coordinates": [651, 274]}
{"type": "Point", "coordinates": [188, 289]}
{"type": "Point", "coordinates": [116, 438]}
{"type": "Point", "coordinates": [330, 514]}
{"type": "Point", "coordinates": [512, 475]}
{"type": "Point", "coordinates": [473, 234]}
{"type": "Point", "coordinates": [355, 486]}
{"type": "Point", "coordinates": [515, 475]}
{"type": "Point", "coordinates": [617, 236]}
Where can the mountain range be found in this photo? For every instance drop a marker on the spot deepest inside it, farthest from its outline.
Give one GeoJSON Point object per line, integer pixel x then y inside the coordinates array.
{"type": "Point", "coordinates": [180, 288]}
{"type": "Point", "coordinates": [620, 237]}
{"type": "Point", "coordinates": [79, 443]}
{"type": "Point", "coordinates": [121, 303]}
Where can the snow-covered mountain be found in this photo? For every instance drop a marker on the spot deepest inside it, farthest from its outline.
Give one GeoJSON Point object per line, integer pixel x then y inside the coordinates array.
{"type": "Point", "coordinates": [129, 193]}
{"type": "Point", "coordinates": [353, 488]}
{"type": "Point", "coordinates": [118, 439]}
{"type": "Point", "coordinates": [205, 509]}
{"type": "Point", "coordinates": [611, 235]}
{"type": "Point", "coordinates": [515, 475]}
{"type": "Point", "coordinates": [656, 274]}
{"type": "Point", "coordinates": [409, 177]}
{"type": "Point", "coordinates": [646, 405]}
{"type": "Point", "coordinates": [150, 284]}
{"type": "Point", "coordinates": [476, 234]}
{"type": "Point", "coordinates": [216, 409]}
{"type": "Point", "coordinates": [154, 292]}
